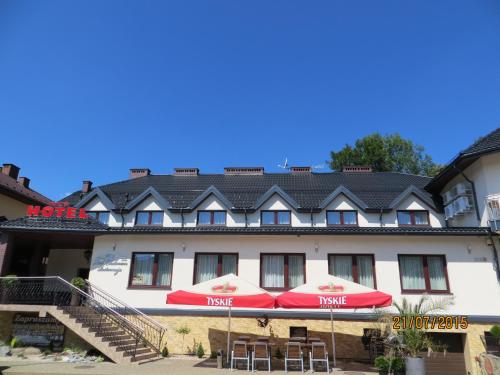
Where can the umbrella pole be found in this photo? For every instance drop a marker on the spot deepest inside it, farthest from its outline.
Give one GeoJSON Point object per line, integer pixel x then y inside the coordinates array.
{"type": "Point", "coordinates": [228, 335]}
{"type": "Point", "coordinates": [333, 338]}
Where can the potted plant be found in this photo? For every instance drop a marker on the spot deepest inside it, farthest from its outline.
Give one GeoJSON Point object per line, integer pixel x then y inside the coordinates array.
{"type": "Point", "coordinates": [414, 340]}
{"type": "Point", "coordinates": [495, 334]}
{"type": "Point", "coordinates": [79, 283]}
{"type": "Point", "coordinates": [387, 365]}
{"type": "Point", "coordinates": [7, 286]}
{"type": "Point", "coordinates": [183, 330]}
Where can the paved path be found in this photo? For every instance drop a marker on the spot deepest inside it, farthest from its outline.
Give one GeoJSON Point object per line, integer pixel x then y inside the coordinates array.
{"type": "Point", "coordinates": [161, 367]}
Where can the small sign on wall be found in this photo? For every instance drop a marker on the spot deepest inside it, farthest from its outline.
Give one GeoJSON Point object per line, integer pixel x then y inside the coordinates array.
{"type": "Point", "coordinates": [33, 330]}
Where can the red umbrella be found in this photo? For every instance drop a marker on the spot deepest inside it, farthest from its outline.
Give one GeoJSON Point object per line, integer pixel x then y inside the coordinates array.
{"type": "Point", "coordinates": [332, 292]}
{"type": "Point", "coordinates": [226, 291]}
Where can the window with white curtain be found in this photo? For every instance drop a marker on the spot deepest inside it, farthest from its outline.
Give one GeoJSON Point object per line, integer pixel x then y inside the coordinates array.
{"type": "Point", "coordinates": [282, 271]}
{"type": "Point", "coordinates": [209, 266]}
{"type": "Point", "coordinates": [275, 217]}
{"type": "Point", "coordinates": [151, 269]}
{"type": "Point", "coordinates": [149, 218]}
{"type": "Point", "coordinates": [211, 217]}
{"type": "Point", "coordinates": [100, 216]}
{"type": "Point", "coordinates": [413, 217]}
{"type": "Point", "coordinates": [345, 217]}
{"type": "Point", "coordinates": [358, 268]}
{"type": "Point", "coordinates": [423, 273]}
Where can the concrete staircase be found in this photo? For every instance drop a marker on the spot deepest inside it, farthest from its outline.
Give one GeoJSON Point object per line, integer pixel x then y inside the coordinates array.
{"type": "Point", "coordinates": [104, 335]}
{"type": "Point", "coordinates": [119, 331]}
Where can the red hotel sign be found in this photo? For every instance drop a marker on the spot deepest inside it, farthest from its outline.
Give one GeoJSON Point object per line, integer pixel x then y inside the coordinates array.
{"type": "Point", "coordinates": [57, 209]}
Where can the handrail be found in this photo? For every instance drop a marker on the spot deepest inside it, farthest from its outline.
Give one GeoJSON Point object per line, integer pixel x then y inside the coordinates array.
{"type": "Point", "coordinates": [78, 290]}
{"type": "Point", "coordinates": [55, 291]}
{"type": "Point", "coordinates": [120, 302]}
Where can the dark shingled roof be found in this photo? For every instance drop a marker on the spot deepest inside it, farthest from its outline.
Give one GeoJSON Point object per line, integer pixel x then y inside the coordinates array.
{"type": "Point", "coordinates": [91, 226]}
{"type": "Point", "coordinates": [484, 145]}
{"type": "Point", "coordinates": [54, 225]}
{"type": "Point", "coordinates": [13, 188]}
{"type": "Point", "coordinates": [376, 190]}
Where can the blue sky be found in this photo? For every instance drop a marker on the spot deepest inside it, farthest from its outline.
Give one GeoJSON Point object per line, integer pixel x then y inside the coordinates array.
{"type": "Point", "coordinates": [89, 89]}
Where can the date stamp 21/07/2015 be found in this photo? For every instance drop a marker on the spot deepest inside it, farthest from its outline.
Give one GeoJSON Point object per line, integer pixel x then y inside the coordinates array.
{"type": "Point", "coordinates": [430, 322]}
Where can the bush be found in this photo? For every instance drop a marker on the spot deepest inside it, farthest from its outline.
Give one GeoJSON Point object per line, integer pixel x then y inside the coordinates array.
{"type": "Point", "coordinates": [213, 355]}
{"type": "Point", "coordinates": [15, 343]}
{"type": "Point", "coordinates": [200, 352]}
{"type": "Point", "coordinates": [78, 282]}
{"type": "Point", "coordinates": [164, 352]}
{"type": "Point", "coordinates": [395, 364]}
{"type": "Point", "coordinates": [9, 280]}
{"type": "Point", "coordinates": [382, 363]}
{"type": "Point", "coordinates": [495, 331]}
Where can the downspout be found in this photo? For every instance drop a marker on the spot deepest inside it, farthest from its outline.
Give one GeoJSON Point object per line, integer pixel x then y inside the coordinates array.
{"type": "Point", "coordinates": [246, 218]}
{"type": "Point", "coordinates": [495, 257]}
{"type": "Point", "coordinates": [473, 192]}
{"type": "Point", "coordinates": [380, 217]}
{"type": "Point", "coordinates": [312, 218]}
{"type": "Point", "coordinates": [182, 218]}
{"type": "Point", "coordinates": [123, 217]}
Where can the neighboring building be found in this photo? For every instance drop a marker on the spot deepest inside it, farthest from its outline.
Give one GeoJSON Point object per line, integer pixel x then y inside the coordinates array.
{"type": "Point", "coordinates": [156, 233]}
{"type": "Point", "coordinates": [15, 193]}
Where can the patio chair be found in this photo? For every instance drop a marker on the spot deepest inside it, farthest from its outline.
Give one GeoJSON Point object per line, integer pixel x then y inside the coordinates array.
{"type": "Point", "coordinates": [240, 353]}
{"type": "Point", "coordinates": [319, 354]}
{"type": "Point", "coordinates": [261, 353]}
{"type": "Point", "coordinates": [294, 354]}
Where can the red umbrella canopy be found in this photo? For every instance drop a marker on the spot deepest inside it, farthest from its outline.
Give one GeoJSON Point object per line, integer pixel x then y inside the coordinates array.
{"type": "Point", "coordinates": [333, 292]}
{"type": "Point", "coordinates": [225, 291]}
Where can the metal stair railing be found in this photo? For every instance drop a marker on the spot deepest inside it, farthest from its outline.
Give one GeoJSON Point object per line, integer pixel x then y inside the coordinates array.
{"type": "Point", "coordinates": [55, 291]}
{"type": "Point", "coordinates": [154, 332]}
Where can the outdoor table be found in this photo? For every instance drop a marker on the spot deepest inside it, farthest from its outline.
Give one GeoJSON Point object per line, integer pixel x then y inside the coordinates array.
{"type": "Point", "coordinates": [297, 339]}
{"type": "Point", "coordinates": [244, 338]}
{"type": "Point", "coordinates": [313, 339]}
{"type": "Point", "coordinates": [263, 338]}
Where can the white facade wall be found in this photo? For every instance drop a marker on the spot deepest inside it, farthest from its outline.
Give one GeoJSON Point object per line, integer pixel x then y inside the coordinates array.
{"type": "Point", "coordinates": [470, 268]}
{"type": "Point", "coordinates": [485, 173]}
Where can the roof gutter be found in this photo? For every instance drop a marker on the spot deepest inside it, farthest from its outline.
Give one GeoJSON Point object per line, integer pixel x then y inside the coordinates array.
{"type": "Point", "coordinates": [474, 195]}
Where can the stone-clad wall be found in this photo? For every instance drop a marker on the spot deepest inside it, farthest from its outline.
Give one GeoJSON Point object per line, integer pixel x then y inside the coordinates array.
{"type": "Point", "coordinates": [211, 332]}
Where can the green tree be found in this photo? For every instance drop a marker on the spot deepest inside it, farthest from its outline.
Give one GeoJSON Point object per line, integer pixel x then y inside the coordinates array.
{"type": "Point", "coordinates": [385, 153]}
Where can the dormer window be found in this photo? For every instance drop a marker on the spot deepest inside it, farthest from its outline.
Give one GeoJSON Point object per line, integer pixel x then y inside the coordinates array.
{"type": "Point", "coordinates": [101, 216]}
{"type": "Point", "coordinates": [414, 217]}
{"type": "Point", "coordinates": [149, 218]}
{"type": "Point", "coordinates": [275, 217]}
{"type": "Point", "coordinates": [211, 217]}
{"type": "Point", "coordinates": [345, 217]}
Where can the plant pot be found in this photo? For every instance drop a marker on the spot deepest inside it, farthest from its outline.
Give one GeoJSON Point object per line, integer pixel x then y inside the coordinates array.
{"type": "Point", "coordinates": [75, 299]}
{"type": "Point", "coordinates": [415, 366]}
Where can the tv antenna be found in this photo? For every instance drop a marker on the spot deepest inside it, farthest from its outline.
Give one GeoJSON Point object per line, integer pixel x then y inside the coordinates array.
{"type": "Point", "coordinates": [284, 165]}
{"type": "Point", "coordinates": [287, 166]}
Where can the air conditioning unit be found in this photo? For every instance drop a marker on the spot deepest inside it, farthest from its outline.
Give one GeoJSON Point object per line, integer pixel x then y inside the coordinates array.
{"type": "Point", "coordinates": [463, 188]}
{"type": "Point", "coordinates": [449, 212]}
{"type": "Point", "coordinates": [462, 205]}
{"type": "Point", "coordinates": [447, 197]}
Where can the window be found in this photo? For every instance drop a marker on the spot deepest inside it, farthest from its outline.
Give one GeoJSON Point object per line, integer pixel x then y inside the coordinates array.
{"type": "Point", "coordinates": [423, 273]}
{"type": "Point", "coordinates": [413, 217]}
{"type": "Point", "coordinates": [282, 271]}
{"type": "Point", "coordinates": [359, 268]}
{"type": "Point", "coordinates": [209, 266]}
{"type": "Point", "coordinates": [211, 217]}
{"type": "Point", "coordinates": [342, 217]}
{"type": "Point", "coordinates": [151, 270]}
{"type": "Point", "coordinates": [275, 217]}
{"type": "Point", "coordinates": [100, 216]}
{"type": "Point", "coordinates": [149, 218]}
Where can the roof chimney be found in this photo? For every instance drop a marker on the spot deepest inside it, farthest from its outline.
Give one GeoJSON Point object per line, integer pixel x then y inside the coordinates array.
{"type": "Point", "coordinates": [24, 181]}
{"type": "Point", "coordinates": [186, 171]}
{"type": "Point", "coordinates": [299, 170]}
{"type": "Point", "coordinates": [10, 170]}
{"type": "Point", "coordinates": [357, 169]}
{"type": "Point", "coordinates": [86, 186]}
{"type": "Point", "coordinates": [236, 171]}
{"type": "Point", "coordinates": [138, 172]}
